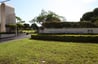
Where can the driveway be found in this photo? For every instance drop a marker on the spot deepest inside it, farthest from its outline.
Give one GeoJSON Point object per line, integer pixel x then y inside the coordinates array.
{"type": "Point", "coordinates": [21, 36]}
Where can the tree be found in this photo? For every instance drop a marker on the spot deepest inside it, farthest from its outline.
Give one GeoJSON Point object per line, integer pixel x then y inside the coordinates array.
{"type": "Point", "coordinates": [95, 11]}
{"type": "Point", "coordinates": [40, 18]}
{"type": "Point", "coordinates": [19, 27]}
{"type": "Point", "coordinates": [52, 17]}
{"type": "Point", "coordinates": [19, 20]}
{"type": "Point", "coordinates": [19, 23]}
{"type": "Point", "coordinates": [26, 26]}
{"type": "Point", "coordinates": [46, 17]}
{"type": "Point", "coordinates": [34, 26]}
{"type": "Point", "coordinates": [63, 19]}
{"type": "Point", "coordinates": [87, 16]}
{"type": "Point", "coordinates": [90, 16]}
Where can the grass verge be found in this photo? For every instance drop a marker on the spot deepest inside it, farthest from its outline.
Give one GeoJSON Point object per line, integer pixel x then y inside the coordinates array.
{"type": "Point", "coordinates": [26, 51]}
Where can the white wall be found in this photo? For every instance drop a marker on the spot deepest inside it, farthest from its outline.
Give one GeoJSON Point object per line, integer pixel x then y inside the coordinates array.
{"type": "Point", "coordinates": [7, 35]}
{"type": "Point", "coordinates": [69, 30]}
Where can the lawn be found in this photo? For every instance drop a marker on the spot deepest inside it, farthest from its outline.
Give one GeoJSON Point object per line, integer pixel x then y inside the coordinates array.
{"type": "Point", "coordinates": [26, 51]}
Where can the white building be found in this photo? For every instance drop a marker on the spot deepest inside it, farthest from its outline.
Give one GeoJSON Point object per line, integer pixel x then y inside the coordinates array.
{"type": "Point", "coordinates": [7, 17]}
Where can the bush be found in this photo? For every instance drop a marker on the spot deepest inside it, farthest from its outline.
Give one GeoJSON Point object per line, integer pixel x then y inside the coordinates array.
{"type": "Point", "coordinates": [66, 38]}
{"type": "Point", "coordinates": [7, 32]}
{"type": "Point", "coordinates": [69, 25]}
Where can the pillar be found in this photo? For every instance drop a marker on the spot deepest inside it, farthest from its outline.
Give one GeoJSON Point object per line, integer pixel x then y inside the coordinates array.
{"type": "Point", "coordinates": [3, 18]}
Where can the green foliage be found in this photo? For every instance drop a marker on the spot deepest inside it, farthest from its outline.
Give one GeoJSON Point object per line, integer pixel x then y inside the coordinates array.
{"type": "Point", "coordinates": [52, 17]}
{"type": "Point", "coordinates": [69, 25]}
{"type": "Point", "coordinates": [34, 26]}
{"type": "Point", "coordinates": [11, 25]}
{"type": "Point", "coordinates": [87, 16]}
{"type": "Point", "coordinates": [26, 26]}
{"type": "Point", "coordinates": [95, 12]}
{"type": "Point", "coordinates": [25, 51]}
{"type": "Point", "coordinates": [7, 32]}
{"type": "Point", "coordinates": [19, 20]}
{"type": "Point", "coordinates": [19, 26]}
{"type": "Point", "coordinates": [47, 17]}
{"type": "Point", "coordinates": [90, 16]}
{"type": "Point", "coordinates": [67, 38]}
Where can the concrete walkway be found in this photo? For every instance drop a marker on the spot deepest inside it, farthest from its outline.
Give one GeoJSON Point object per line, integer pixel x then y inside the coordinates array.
{"type": "Point", "coordinates": [21, 36]}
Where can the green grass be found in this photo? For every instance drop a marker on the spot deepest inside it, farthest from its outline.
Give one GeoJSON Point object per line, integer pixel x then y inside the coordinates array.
{"type": "Point", "coordinates": [25, 51]}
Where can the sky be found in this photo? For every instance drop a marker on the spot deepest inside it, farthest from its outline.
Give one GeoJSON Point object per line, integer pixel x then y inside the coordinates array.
{"type": "Point", "coordinates": [72, 10]}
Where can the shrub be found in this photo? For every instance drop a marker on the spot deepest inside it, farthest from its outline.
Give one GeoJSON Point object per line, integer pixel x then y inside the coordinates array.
{"type": "Point", "coordinates": [7, 32]}
{"type": "Point", "coordinates": [11, 25]}
{"type": "Point", "coordinates": [66, 38]}
{"type": "Point", "coordinates": [69, 25]}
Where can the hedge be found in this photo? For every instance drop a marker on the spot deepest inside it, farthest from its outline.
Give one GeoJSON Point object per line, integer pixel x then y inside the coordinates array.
{"type": "Point", "coordinates": [7, 32]}
{"type": "Point", "coordinates": [69, 25]}
{"type": "Point", "coordinates": [93, 39]}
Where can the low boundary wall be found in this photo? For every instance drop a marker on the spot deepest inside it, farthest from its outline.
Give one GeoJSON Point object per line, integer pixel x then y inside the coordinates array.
{"type": "Point", "coordinates": [69, 30]}
{"type": "Point", "coordinates": [7, 35]}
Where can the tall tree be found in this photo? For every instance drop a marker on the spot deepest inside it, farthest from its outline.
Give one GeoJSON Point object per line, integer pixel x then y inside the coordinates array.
{"type": "Point", "coordinates": [46, 17]}
{"type": "Point", "coordinates": [52, 17]}
{"type": "Point", "coordinates": [95, 11]}
{"type": "Point", "coordinates": [34, 26]}
{"type": "Point", "coordinates": [20, 25]}
{"type": "Point", "coordinates": [19, 20]}
{"type": "Point", "coordinates": [26, 26]}
{"type": "Point", "coordinates": [87, 16]}
{"type": "Point", "coordinates": [90, 16]}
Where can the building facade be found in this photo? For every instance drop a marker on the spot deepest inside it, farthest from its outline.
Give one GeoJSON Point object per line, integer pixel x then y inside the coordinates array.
{"type": "Point", "coordinates": [7, 17]}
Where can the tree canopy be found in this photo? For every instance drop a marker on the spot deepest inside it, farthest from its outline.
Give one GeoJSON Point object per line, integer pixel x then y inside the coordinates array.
{"type": "Point", "coordinates": [19, 20]}
{"type": "Point", "coordinates": [90, 16]}
{"type": "Point", "coordinates": [69, 25]}
{"type": "Point", "coordinates": [47, 17]}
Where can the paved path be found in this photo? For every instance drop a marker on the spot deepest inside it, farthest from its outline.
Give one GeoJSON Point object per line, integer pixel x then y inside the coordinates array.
{"type": "Point", "coordinates": [14, 38]}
